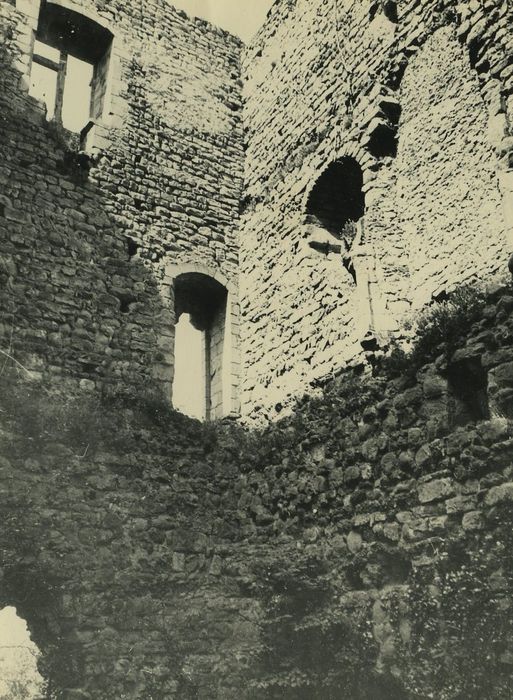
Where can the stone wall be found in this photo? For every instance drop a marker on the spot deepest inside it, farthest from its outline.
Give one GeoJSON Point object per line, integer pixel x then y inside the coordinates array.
{"type": "Point", "coordinates": [361, 546]}
{"type": "Point", "coordinates": [419, 97]}
{"type": "Point", "coordinates": [158, 186]}
{"type": "Point", "coordinates": [88, 238]}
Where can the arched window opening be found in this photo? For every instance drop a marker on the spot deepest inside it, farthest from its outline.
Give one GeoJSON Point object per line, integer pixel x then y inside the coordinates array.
{"type": "Point", "coordinates": [19, 677]}
{"type": "Point", "coordinates": [383, 140]}
{"type": "Point", "coordinates": [70, 64]}
{"type": "Point", "coordinates": [335, 208]}
{"type": "Point", "coordinates": [201, 383]}
{"type": "Point", "coordinates": [381, 135]}
{"type": "Point", "coordinates": [387, 8]}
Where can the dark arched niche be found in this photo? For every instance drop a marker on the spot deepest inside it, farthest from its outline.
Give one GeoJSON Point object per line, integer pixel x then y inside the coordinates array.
{"type": "Point", "coordinates": [337, 201]}
{"type": "Point", "coordinates": [334, 207]}
{"type": "Point", "coordinates": [200, 296]}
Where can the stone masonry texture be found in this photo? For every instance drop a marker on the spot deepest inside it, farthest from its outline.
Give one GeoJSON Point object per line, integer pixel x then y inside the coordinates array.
{"type": "Point", "coordinates": [85, 245]}
{"type": "Point", "coordinates": [361, 546]}
{"type": "Point", "coordinates": [324, 80]}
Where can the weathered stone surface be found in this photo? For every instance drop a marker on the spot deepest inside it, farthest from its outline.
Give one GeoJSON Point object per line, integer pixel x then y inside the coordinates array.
{"type": "Point", "coordinates": [423, 456]}
{"type": "Point", "coordinates": [184, 521]}
{"type": "Point", "coordinates": [354, 542]}
{"type": "Point", "coordinates": [155, 557]}
{"type": "Point", "coordinates": [435, 490]}
{"type": "Point", "coordinates": [499, 494]}
{"type": "Point", "coordinates": [427, 200]}
{"type": "Point", "coordinates": [90, 247]}
{"type": "Point", "coordinates": [503, 374]}
{"type": "Point", "coordinates": [460, 504]}
{"type": "Point", "coordinates": [472, 521]}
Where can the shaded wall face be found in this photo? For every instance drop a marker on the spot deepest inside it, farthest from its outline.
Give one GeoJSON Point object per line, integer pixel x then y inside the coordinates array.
{"type": "Point", "coordinates": [365, 543]}
{"type": "Point", "coordinates": [85, 243]}
{"type": "Point", "coordinates": [323, 84]}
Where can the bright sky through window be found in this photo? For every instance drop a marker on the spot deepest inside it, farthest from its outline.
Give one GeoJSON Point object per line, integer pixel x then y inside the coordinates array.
{"type": "Point", "coordinates": [46, 51]}
{"type": "Point", "coordinates": [43, 86]}
{"type": "Point", "coordinates": [77, 94]}
{"type": "Point", "coordinates": [19, 677]}
{"type": "Point", "coordinates": [189, 382]}
{"type": "Point", "coordinates": [241, 17]}
{"type": "Point", "coordinates": [47, 65]}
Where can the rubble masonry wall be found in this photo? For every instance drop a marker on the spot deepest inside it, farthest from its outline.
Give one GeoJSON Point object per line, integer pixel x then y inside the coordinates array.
{"type": "Point", "coordinates": [321, 79]}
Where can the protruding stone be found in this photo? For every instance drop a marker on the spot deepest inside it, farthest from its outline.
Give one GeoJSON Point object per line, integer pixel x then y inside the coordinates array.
{"type": "Point", "coordinates": [499, 494]}
{"type": "Point", "coordinates": [354, 542]}
{"type": "Point", "coordinates": [472, 521]}
{"type": "Point", "coordinates": [435, 490]}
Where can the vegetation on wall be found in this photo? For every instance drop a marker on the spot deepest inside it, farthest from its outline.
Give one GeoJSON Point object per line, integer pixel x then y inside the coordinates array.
{"type": "Point", "coordinates": [437, 330]}
{"type": "Point", "coordinates": [461, 622]}
{"type": "Point", "coordinates": [46, 413]}
{"type": "Point", "coordinates": [340, 582]}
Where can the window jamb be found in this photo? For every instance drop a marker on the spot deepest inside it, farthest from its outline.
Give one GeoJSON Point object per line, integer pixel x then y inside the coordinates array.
{"type": "Point", "coordinates": [207, 338]}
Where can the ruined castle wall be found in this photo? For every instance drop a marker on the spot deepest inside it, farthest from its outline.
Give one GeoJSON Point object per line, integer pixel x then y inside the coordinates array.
{"type": "Point", "coordinates": [420, 101]}
{"type": "Point", "coordinates": [445, 171]}
{"type": "Point", "coordinates": [86, 243]}
{"type": "Point", "coordinates": [361, 546]}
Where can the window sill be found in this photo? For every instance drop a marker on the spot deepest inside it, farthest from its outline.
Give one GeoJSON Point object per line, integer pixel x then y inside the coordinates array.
{"type": "Point", "coordinates": [94, 137]}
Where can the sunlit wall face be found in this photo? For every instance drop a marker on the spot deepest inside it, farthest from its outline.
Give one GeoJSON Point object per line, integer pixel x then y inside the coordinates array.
{"type": "Point", "coordinates": [19, 677]}
{"type": "Point", "coordinates": [189, 385]}
{"type": "Point", "coordinates": [239, 17]}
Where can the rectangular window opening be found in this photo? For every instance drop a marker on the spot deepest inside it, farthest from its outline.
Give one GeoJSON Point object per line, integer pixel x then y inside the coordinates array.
{"type": "Point", "coordinates": [70, 66]}
{"type": "Point", "coordinates": [76, 99]}
{"type": "Point", "coordinates": [468, 388]}
{"type": "Point", "coordinates": [43, 86]}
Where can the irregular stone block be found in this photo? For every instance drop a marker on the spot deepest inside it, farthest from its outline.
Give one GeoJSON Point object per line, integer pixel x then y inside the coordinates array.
{"type": "Point", "coordinates": [434, 386]}
{"type": "Point", "coordinates": [354, 542]}
{"type": "Point", "coordinates": [460, 504]}
{"type": "Point", "coordinates": [472, 521]}
{"type": "Point", "coordinates": [435, 490]}
{"type": "Point", "coordinates": [499, 494]}
{"type": "Point", "coordinates": [423, 456]}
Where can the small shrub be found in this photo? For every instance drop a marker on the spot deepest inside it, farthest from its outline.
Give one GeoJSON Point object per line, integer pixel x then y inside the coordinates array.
{"type": "Point", "coordinates": [447, 322]}
{"type": "Point", "coordinates": [43, 413]}
{"type": "Point", "coordinates": [397, 363]}
{"type": "Point", "coordinates": [438, 329]}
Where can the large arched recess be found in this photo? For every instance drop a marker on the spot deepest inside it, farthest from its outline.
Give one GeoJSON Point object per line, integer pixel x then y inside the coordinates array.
{"type": "Point", "coordinates": [336, 201]}
{"type": "Point", "coordinates": [448, 202]}
{"type": "Point", "coordinates": [36, 594]}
